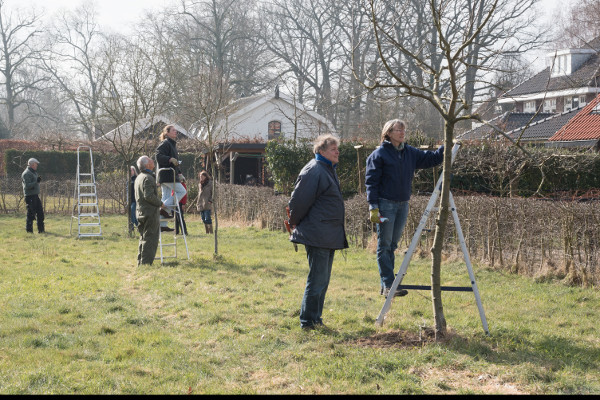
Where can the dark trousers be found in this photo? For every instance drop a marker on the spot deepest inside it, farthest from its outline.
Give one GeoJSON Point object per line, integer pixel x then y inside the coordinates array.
{"type": "Point", "coordinates": [320, 261]}
{"type": "Point", "coordinates": [149, 232]}
{"type": "Point", "coordinates": [178, 224]}
{"type": "Point", "coordinates": [34, 211]}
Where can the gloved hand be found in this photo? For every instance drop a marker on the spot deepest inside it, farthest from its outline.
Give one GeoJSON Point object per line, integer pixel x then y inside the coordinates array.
{"type": "Point", "coordinates": [181, 178]}
{"type": "Point", "coordinates": [39, 179]}
{"type": "Point", "coordinates": [174, 161]}
{"type": "Point", "coordinates": [374, 215]}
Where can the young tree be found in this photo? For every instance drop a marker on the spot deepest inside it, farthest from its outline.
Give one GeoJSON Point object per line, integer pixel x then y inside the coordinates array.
{"type": "Point", "coordinates": [445, 57]}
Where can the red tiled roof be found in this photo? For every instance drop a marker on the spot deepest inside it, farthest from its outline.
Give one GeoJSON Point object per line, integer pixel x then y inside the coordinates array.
{"type": "Point", "coordinates": [584, 126]}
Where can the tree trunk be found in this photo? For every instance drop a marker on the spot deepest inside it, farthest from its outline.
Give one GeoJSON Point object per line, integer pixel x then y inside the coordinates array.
{"type": "Point", "coordinates": [438, 240]}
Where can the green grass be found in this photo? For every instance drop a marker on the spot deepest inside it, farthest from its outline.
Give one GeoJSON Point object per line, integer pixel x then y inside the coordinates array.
{"type": "Point", "coordinates": [78, 316]}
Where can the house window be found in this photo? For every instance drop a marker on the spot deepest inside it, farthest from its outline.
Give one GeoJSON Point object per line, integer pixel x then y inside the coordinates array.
{"type": "Point", "coordinates": [596, 110]}
{"type": "Point", "coordinates": [568, 103]}
{"type": "Point", "coordinates": [582, 101]}
{"type": "Point", "coordinates": [274, 130]}
{"type": "Point", "coordinates": [550, 105]}
{"type": "Point", "coordinates": [529, 106]}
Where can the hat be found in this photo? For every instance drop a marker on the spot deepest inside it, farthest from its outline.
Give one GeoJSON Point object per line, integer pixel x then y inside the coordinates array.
{"type": "Point", "coordinates": [32, 160]}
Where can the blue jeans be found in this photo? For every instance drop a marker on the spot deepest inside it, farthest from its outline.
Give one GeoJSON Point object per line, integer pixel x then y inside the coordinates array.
{"type": "Point", "coordinates": [388, 235]}
{"type": "Point", "coordinates": [134, 220]}
{"type": "Point", "coordinates": [320, 261]}
{"type": "Point", "coordinates": [205, 214]}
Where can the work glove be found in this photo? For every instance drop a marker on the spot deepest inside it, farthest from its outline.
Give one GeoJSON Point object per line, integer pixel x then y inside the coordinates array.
{"type": "Point", "coordinates": [174, 161]}
{"type": "Point", "coordinates": [39, 179]}
{"type": "Point", "coordinates": [374, 215]}
{"type": "Point", "coordinates": [181, 178]}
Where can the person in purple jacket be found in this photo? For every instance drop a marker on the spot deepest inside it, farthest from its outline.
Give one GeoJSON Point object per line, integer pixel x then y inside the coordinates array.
{"type": "Point", "coordinates": [390, 171]}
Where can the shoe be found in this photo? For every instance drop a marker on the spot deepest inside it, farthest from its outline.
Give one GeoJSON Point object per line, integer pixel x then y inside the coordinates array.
{"type": "Point", "coordinates": [165, 214]}
{"type": "Point", "coordinates": [308, 328]}
{"type": "Point", "coordinates": [166, 229]}
{"type": "Point", "coordinates": [399, 292]}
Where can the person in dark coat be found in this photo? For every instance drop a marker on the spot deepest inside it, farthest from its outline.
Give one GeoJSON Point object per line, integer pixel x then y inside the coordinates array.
{"type": "Point", "coordinates": [148, 205]}
{"type": "Point", "coordinates": [317, 215]}
{"type": "Point", "coordinates": [170, 181]}
{"type": "Point", "coordinates": [31, 189]}
{"type": "Point", "coordinates": [389, 175]}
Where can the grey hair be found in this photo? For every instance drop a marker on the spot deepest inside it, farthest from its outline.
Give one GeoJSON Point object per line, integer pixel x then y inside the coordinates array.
{"type": "Point", "coordinates": [388, 126]}
{"type": "Point", "coordinates": [142, 162]}
{"type": "Point", "coordinates": [324, 141]}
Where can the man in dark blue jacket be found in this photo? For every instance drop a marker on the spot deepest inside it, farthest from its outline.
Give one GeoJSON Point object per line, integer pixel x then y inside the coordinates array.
{"type": "Point", "coordinates": [317, 212]}
{"type": "Point", "coordinates": [390, 171]}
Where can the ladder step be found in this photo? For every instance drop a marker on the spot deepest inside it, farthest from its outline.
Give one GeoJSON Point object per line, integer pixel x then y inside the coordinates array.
{"type": "Point", "coordinates": [87, 184]}
{"type": "Point", "coordinates": [90, 224]}
{"type": "Point", "coordinates": [87, 204]}
{"type": "Point", "coordinates": [89, 215]}
{"type": "Point", "coordinates": [90, 234]}
{"type": "Point", "coordinates": [84, 174]}
{"type": "Point", "coordinates": [87, 194]}
{"type": "Point", "coordinates": [445, 288]}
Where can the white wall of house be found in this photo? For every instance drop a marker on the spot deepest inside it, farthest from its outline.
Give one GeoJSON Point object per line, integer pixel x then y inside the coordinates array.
{"type": "Point", "coordinates": [252, 121]}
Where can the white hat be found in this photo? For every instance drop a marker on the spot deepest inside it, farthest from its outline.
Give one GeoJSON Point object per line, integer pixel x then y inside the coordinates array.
{"type": "Point", "coordinates": [32, 160]}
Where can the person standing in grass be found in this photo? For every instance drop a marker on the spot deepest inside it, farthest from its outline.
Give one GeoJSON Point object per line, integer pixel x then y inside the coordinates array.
{"type": "Point", "coordinates": [31, 189]}
{"type": "Point", "coordinates": [148, 205]}
{"type": "Point", "coordinates": [317, 216]}
{"type": "Point", "coordinates": [388, 178]}
{"type": "Point", "coordinates": [205, 200]}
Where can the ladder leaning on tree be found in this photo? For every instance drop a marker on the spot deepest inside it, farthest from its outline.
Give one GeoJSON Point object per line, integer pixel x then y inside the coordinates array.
{"type": "Point", "coordinates": [86, 199]}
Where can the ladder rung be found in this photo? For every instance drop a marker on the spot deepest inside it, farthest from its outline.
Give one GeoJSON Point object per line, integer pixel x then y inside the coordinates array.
{"type": "Point", "coordinates": [89, 215]}
{"type": "Point", "coordinates": [446, 288]}
{"type": "Point", "coordinates": [84, 174]}
{"type": "Point", "coordinates": [90, 234]}
{"type": "Point", "coordinates": [87, 184]}
{"type": "Point", "coordinates": [89, 224]}
{"type": "Point", "coordinates": [87, 194]}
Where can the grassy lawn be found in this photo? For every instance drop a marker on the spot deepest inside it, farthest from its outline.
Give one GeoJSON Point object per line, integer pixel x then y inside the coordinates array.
{"type": "Point", "coordinates": [78, 316]}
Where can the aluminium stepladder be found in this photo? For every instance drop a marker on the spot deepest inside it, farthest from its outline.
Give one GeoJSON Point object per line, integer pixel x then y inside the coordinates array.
{"type": "Point", "coordinates": [413, 244]}
{"type": "Point", "coordinates": [85, 199]}
{"type": "Point", "coordinates": [177, 212]}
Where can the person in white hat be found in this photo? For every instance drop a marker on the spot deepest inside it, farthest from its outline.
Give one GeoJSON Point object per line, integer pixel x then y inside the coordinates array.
{"type": "Point", "coordinates": [31, 189]}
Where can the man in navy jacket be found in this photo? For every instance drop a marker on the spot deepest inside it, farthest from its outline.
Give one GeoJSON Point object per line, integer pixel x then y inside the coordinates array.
{"type": "Point", "coordinates": [390, 171]}
{"type": "Point", "coordinates": [317, 214]}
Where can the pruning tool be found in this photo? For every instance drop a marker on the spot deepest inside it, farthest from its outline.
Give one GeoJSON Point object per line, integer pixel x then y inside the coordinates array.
{"type": "Point", "coordinates": [286, 222]}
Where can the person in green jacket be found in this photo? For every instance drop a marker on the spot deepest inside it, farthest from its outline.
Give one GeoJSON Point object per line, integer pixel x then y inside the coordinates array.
{"type": "Point", "coordinates": [31, 189]}
{"type": "Point", "coordinates": [148, 205]}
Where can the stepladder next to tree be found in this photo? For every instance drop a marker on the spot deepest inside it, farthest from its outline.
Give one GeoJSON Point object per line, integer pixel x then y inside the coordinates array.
{"type": "Point", "coordinates": [431, 206]}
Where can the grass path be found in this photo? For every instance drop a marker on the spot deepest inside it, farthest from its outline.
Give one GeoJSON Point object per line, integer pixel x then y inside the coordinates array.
{"type": "Point", "coordinates": [78, 316]}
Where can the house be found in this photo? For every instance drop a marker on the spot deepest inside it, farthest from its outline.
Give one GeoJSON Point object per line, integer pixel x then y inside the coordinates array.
{"type": "Point", "coordinates": [570, 81]}
{"type": "Point", "coordinates": [244, 127]}
{"type": "Point", "coordinates": [583, 130]}
{"type": "Point", "coordinates": [535, 110]}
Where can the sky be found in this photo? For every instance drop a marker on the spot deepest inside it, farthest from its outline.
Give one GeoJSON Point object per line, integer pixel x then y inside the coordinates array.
{"type": "Point", "coordinates": [114, 15]}
{"type": "Point", "coordinates": [117, 15]}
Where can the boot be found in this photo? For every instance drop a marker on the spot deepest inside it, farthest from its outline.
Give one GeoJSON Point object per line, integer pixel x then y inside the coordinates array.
{"type": "Point", "coordinates": [210, 228]}
{"type": "Point", "coordinates": [206, 228]}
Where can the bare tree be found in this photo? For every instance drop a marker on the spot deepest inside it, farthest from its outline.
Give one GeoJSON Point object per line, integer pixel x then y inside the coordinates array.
{"type": "Point", "coordinates": [208, 95]}
{"type": "Point", "coordinates": [19, 56]}
{"type": "Point", "coordinates": [458, 28]}
{"type": "Point", "coordinates": [75, 62]}
{"type": "Point", "coordinates": [578, 24]}
{"type": "Point", "coordinates": [305, 36]}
